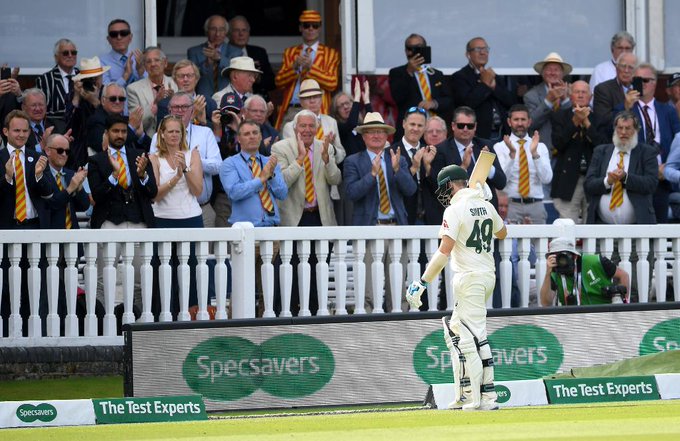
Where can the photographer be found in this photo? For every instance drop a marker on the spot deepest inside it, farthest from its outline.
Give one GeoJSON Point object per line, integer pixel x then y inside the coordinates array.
{"type": "Point", "coordinates": [598, 279]}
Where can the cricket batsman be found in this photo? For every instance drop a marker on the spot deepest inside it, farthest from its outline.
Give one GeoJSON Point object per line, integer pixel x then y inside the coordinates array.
{"type": "Point", "coordinates": [467, 232]}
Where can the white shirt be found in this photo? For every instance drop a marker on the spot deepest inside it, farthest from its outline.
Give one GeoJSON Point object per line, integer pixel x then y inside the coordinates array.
{"type": "Point", "coordinates": [202, 138]}
{"type": "Point", "coordinates": [411, 151]}
{"type": "Point", "coordinates": [625, 214]}
{"type": "Point", "coordinates": [602, 72]}
{"type": "Point", "coordinates": [540, 172]}
{"type": "Point", "coordinates": [30, 208]}
{"type": "Point", "coordinates": [64, 80]}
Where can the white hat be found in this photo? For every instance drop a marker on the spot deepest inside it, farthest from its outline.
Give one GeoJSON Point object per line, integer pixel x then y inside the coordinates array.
{"type": "Point", "coordinates": [240, 63]}
{"type": "Point", "coordinates": [562, 244]}
{"type": "Point", "coordinates": [553, 57]}
{"type": "Point", "coordinates": [374, 120]}
{"type": "Point", "coordinates": [90, 67]}
{"type": "Point", "coordinates": [309, 88]}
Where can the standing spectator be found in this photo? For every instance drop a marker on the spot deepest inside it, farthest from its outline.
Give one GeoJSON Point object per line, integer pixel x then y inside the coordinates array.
{"type": "Point", "coordinates": [147, 92]}
{"type": "Point", "coordinates": [418, 84]}
{"type": "Point", "coordinates": [239, 34]}
{"type": "Point", "coordinates": [478, 87]}
{"type": "Point", "coordinates": [612, 93]}
{"type": "Point", "coordinates": [186, 76]}
{"type": "Point", "coordinates": [673, 90]}
{"type": "Point", "coordinates": [126, 64]}
{"type": "Point", "coordinates": [435, 131]}
{"type": "Point", "coordinates": [213, 56]}
{"type": "Point", "coordinates": [346, 110]}
{"type": "Point", "coordinates": [576, 131]}
{"type": "Point", "coordinates": [57, 84]}
{"type": "Point", "coordinates": [622, 42]}
{"type": "Point", "coordinates": [35, 106]}
{"type": "Point", "coordinates": [10, 94]}
{"type": "Point", "coordinates": [242, 74]}
{"type": "Point", "coordinates": [410, 148]}
{"type": "Point", "coordinates": [526, 164]}
{"type": "Point", "coordinates": [622, 177]}
{"type": "Point", "coordinates": [310, 59]}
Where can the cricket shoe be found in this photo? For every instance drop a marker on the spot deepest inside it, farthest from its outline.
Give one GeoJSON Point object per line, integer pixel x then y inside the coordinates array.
{"type": "Point", "coordinates": [484, 404]}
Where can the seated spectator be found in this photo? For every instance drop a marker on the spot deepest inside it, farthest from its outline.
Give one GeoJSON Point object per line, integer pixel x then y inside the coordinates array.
{"type": "Point", "coordinates": [186, 76]}
{"type": "Point", "coordinates": [57, 84]}
{"type": "Point", "coordinates": [672, 89]}
{"type": "Point", "coordinates": [42, 127]}
{"type": "Point", "coordinates": [435, 131]}
{"type": "Point", "coordinates": [126, 64]}
{"type": "Point", "coordinates": [346, 110]}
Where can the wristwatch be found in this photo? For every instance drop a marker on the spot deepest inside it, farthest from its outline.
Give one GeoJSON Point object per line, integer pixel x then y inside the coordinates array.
{"type": "Point", "coordinates": [187, 169]}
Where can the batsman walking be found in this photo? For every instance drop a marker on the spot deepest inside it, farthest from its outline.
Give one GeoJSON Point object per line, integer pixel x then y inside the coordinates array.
{"type": "Point", "coordinates": [467, 232]}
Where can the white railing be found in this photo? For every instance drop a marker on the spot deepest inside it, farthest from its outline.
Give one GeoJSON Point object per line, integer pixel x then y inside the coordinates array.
{"type": "Point", "coordinates": [341, 285]}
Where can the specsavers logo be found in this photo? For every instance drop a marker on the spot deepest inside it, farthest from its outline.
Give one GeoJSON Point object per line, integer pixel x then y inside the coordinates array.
{"type": "Point", "coordinates": [231, 368]}
{"type": "Point", "coordinates": [522, 352]}
{"type": "Point", "coordinates": [664, 336]}
{"type": "Point", "coordinates": [432, 359]}
{"type": "Point", "coordinates": [29, 413]}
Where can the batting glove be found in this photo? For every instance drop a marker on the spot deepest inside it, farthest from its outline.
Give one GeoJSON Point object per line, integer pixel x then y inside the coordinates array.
{"type": "Point", "coordinates": [413, 293]}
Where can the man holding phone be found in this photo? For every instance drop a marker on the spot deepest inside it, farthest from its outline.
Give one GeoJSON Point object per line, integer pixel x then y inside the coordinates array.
{"type": "Point", "coordinates": [418, 84]}
{"type": "Point", "coordinates": [612, 93]}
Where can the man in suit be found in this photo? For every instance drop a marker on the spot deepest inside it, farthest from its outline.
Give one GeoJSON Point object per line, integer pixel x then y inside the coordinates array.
{"type": "Point", "coordinates": [123, 185]}
{"type": "Point", "coordinates": [148, 92]}
{"type": "Point", "coordinates": [239, 34]}
{"type": "Point", "coordinates": [10, 94]}
{"type": "Point", "coordinates": [478, 87]}
{"type": "Point", "coordinates": [576, 131]}
{"type": "Point", "coordinates": [186, 75]}
{"type": "Point", "coordinates": [310, 59]}
{"type": "Point", "coordinates": [57, 84]}
{"type": "Point", "coordinates": [622, 177]}
{"type": "Point", "coordinates": [417, 84]}
{"type": "Point", "coordinates": [612, 93]}
{"type": "Point", "coordinates": [255, 109]}
{"type": "Point", "coordinates": [35, 106]}
{"type": "Point", "coordinates": [242, 74]}
{"type": "Point", "coordinates": [213, 56]}
{"type": "Point", "coordinates": [21, 197]}
{"type": "Point", "coordinates": [659, 124]}
{"type": "Point", "coordinates": [309, 168]}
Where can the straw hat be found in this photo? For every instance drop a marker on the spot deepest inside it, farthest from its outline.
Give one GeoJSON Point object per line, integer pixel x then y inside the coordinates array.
{"type": "Point", "coordinates": [553, 57]}
{"type": "Point", "coordinates": [90, 67]}
{"type": "Point", "coordinates": [374, 120]}
{"type": "Point", "coordinates": [240, 63]}
{"type": "Point", "coordinates": [309, 88]}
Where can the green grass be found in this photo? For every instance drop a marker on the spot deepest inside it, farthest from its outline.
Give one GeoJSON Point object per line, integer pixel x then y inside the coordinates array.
{"type": "Point", "coordinates": [620, 421]}
{"type": "Point", "coordinates": [62, 389]}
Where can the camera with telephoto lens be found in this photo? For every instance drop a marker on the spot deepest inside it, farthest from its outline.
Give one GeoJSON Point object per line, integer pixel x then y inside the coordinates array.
{"type": "Point", "coordinates": [226, 116]}
{"type": "Point", "coordinates": [565, 263]}
{"type": "Point", "coordinates": [615, 293]}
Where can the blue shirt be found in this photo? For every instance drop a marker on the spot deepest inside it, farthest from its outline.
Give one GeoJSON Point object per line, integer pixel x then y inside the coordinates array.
{"type": "Point", "coordinates": [117, 63]}
{"type": "Point", "coordinates": [244, 190]}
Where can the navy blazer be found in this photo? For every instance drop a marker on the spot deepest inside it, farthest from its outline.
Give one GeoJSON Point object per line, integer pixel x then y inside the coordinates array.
{"type": "Point", "coordinates": [640, 184]}
{"type": "Point", "coordinates": [265, 83]}
{"type": "Point", "coordinates": [55, 206]}
{"type": "Point", "coordinates": [669, 125]}
{"type": "Point", "coordinates": [206, 84]}
{"type": "Point", "coordinates": [37, 190]}
{"type": "Point", "coordinates": [362, 188]}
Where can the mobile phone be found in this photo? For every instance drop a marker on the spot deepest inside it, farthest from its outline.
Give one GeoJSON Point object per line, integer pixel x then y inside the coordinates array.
{"type": "Point", "coordinates": [637, 84]}
{"type": "Point", "coordinates": [425, 52]}
{"type": "Point", "coordinates": [5, 73]}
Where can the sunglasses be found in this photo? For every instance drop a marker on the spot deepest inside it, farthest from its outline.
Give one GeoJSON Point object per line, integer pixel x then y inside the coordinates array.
{"type": "Point", "coordinates": [122, 34]}
{"type": "Point", "coordinates": [415, 109]}
{"type": "Point", "coordinates": [480, 49]}
{"type": "Point", "coordinates": [61, 151]}
{"type": "Point", "coordinates": [311, 25]}
{"type": "Point", "coordinates": [116, 99]}
{"type": "Point", "coordinates": [67, 53]}
{"type": "Point", "coordinates": [468, 126]}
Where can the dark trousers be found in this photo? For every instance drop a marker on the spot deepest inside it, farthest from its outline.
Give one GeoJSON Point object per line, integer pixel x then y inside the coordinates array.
{"type": "Point", "coordinates": [308, 219]}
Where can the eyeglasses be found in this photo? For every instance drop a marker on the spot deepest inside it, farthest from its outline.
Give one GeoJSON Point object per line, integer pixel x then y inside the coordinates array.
{"type": "Point", "coordinates": [181, 107]}
{"type": "Point", "coordinates": [625, 67]}
{"type": "Point", "coordinates": [122, 33]}
{"type": "Point", "coordinates": [61, 151]}
{"type": "Point", "coordinates": [217, 29]}
{"type": "Point", "coordinates": [186, 75]}
{"type": "Point", "coordinates": [648, 80]}
{"type": "Point", "coordinates": [311, 25]}
{"type": "Point", "coordinates": [480, 49]}
{"type": "Point", "coordinates": [67, 53]}
{"type": "Point", "coordinates": [468, 126]}
{"type": "Point", "coordinates": [415, 109]}
{"type": "Point", "coordinates": [116, 99]}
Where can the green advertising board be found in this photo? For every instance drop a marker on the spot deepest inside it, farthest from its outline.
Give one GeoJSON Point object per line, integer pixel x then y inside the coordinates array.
{"type": "Point", "coordinates": [149, 410]}
{"type": "Point", "coordinates": [598, 390]}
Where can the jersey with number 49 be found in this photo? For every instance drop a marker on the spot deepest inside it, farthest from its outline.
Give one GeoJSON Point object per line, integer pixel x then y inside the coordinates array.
{"type": "Point", "coordinates": [471, 222]}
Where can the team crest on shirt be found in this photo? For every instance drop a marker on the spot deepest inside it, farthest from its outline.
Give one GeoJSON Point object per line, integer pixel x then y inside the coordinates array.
{"type": "Point", "coordinates": [444, 224]}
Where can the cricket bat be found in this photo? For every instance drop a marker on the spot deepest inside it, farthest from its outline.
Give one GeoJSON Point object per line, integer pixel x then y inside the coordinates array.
{"type": "Point", "coordinates": [482, 167]}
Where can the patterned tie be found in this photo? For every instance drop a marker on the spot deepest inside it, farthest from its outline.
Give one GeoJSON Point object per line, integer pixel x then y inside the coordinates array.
{"type": "Point", "coordinates": [319, 132]}
{"type": "Point", "coordinates": [384, 198]}
{"type": "Point", "coordinates": [19, 187]}
{"type": "Point", "coordinates": [122, 172]}
{"type": "Point", "coordinates": [523, 170]}
{"type": "Point", "coordinates": [424, 88]}
{"type": "Point", "coordinates": [60, 186]}
{"type": "Point", "coordinates": [38, 133]}
{"type": "Point", "coordinates": [556, 106]}
{"type": "Point", "coordinates": [617, 189]}
{"type": "Point", "coordinates": [123, 59]}
{"type": "Point", "coordinates": [649, 128]}
{"type": "Point", "coordinates": [309, 184]}
{"type": "Point", "coordinates": [265, 199]}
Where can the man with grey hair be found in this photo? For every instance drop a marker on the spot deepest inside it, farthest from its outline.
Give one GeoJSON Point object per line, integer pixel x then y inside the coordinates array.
{"type": "Point", "coordinates": [213, 56]}
{"type": "Point", "coordinates": [612, 93]}
{"type": "Point", "coordinates": [57, 84]}
{"type": "Point", "coordinates": [239, 34]}
{"type": "Point", "coordinates": [622, 177]}
{"type": "Point", "coordinates": [34, 103]}
{"type": "Point", "coordinates": [622, 42]}
{"type": "Point", "coordinates": [147, 92]}
{"type": "Point", "coordinates": [255, 109]}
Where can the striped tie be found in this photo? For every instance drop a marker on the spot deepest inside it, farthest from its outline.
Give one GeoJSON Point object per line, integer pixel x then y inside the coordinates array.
{"type": "Point", "coordinates": [122, 172]}
{"type": "Point", "coordinates": [617, 190]}
{"type": "Point", "coordinates": [424, 88]}
{"type": "Point", "coordinates": [319, 132]}
{"type": "Point", "coordinates": [60, 186]}
{"type": "Point", "coordinates": [523, 170]}
{"type": "Point", "coordinates": [19, 187]}
{"type": "Point", "coordinates": [265, 199]}
{"type": "Point", "coordinates": [384, 198]}
{"type": "Point", "coordinates": [309, 184]}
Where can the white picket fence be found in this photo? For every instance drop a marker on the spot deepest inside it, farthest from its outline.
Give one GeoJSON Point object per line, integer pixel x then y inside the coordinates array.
{"type": "Point", "coordinates": [341, 285]}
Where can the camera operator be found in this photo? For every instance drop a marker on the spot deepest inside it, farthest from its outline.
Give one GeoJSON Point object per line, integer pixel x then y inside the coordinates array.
{"type": "Point", "coordinates": [576, 279]}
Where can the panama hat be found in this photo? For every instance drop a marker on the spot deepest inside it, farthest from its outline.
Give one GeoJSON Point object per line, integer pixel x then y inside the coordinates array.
{"type": "Point", "coordinates": [553, 57]}
{"type": "Point", "coordinates": [309, 88]}
{"type": "Point", "coordinates": [240, 63]}
{"type": "Point", "coordinates": [374, 120]}
{"type": "Point", "coordinates": [90, 67]}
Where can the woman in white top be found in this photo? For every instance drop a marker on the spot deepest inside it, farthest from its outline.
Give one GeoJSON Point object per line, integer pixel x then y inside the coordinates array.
{"type": "Point", "coordinates": [179, 177]}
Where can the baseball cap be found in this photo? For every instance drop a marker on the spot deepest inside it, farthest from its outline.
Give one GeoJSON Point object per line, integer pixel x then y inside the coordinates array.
{"type": "Point", "coordinates": [674, 79]}
{"type": "Point", "coordinates": [231, 101]}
